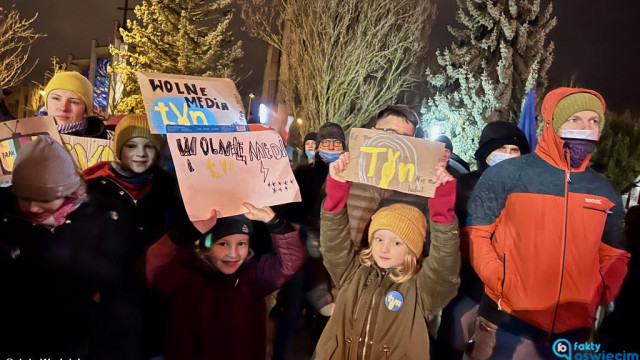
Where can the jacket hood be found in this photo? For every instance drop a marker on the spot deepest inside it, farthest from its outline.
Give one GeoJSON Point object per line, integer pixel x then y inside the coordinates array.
{"type": "Point", "coordinates": [550, 145]}
{"type": "Point", "coordinates": [97, 170]}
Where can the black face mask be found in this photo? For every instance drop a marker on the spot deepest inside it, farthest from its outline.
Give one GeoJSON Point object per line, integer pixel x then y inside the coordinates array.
{"type": "Point", "coordinates": [579, 150]}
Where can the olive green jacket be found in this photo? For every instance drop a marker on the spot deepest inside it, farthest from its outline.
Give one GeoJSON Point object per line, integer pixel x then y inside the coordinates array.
{"type": "Point", "coordinates": [374, 317]}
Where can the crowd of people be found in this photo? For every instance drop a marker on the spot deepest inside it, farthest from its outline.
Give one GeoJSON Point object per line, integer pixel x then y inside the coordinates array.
{"type": "Point", "coordinates": [500, 263]}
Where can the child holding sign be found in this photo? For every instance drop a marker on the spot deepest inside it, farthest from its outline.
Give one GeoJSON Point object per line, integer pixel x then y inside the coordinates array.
{"type": "Point", "coordinates": [217, 293]}
{"type": "Point", "coordinates": [388, 292]}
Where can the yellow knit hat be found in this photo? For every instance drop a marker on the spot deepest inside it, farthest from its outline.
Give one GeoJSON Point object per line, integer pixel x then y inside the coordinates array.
{"type": "Point", "coordinates": [72, 81]}
{"type": "Point", "coordinates": [574, 103]}
{"type": "Point", "coordinates": [403, 220]}
{"type": "Point", "coordinates": [133, 126]}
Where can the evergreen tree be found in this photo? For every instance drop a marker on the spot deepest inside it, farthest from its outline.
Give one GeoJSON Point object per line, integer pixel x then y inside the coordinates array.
{"type": "Point", "coordinates": [618, 151]}
{"type": "Point", "coordinates": [498, 55]}
{"type": "Point", "coordinates": [186, 37]}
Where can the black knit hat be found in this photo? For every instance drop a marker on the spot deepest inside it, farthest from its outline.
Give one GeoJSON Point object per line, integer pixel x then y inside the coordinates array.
{"type": "Point", "coordinates": [497, 134]}
{"type": "Point", "coordinates": [330, 130]}
{"type": "Point", "coordinates": [310, 136]}
{"type": "Point", "coordinates": [225, 227]}
{"type": "Point", "coordinates": [447, 142]}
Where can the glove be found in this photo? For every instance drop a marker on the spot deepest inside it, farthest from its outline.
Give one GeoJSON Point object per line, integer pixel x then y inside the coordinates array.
{"type": "Point", "coordinates": [337, 193]}
{"type": "Point", "coordinates": [441, 206]}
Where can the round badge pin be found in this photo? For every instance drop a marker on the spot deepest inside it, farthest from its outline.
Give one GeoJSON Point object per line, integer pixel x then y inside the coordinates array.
{"type": "Point", "coordinates": [113, 215]}
{"type": "Point", "coordinates": [394, 300]}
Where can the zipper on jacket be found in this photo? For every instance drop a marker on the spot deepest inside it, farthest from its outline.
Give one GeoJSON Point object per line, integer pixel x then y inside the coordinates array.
{"type": "Point", "coordinates": [504, 276]}
{"type": "Point", "coordinates": [355, 313]}
{"type": "Point", "coordinates": [371, 310]}
{"type": "Point", "coordinates": [564, 242]}
{"type": "Point", "coordinates": [592, 208]}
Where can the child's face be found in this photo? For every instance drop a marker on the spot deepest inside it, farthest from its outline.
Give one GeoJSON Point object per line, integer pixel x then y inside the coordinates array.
{"type": "Point", "coordinates": [138, 155]}
{"type": "Point", "coordinates": [229, 252]}
{"type": "Point", "coordinates": [388, 249]}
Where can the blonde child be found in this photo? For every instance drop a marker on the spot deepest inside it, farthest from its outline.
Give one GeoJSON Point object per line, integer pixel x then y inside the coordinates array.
{"type": "Point", "coordinates": [388, 292]}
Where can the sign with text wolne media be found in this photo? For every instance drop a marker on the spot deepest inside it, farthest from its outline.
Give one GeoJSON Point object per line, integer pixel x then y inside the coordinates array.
{"type": "Point", "coordinates": [391, 161]}
{"type": "Point", "coordinates": [189, 101]}
{"type": "Point", "coordinates": [221, 167]}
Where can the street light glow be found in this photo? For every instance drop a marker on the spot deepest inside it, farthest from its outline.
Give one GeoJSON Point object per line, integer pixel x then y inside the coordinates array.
{"type": "Point", "coordinates": [263, 113]}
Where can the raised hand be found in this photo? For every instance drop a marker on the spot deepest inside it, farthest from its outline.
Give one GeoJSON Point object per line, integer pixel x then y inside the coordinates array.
{"type": "Point", "coordinates": [337, 167]}
{"type": "Point", "coordinates": [264, 214]}
{"type": "Point", "coordinates": [205, 225]}
{"type": "Point", "coordinates": [442, 176]}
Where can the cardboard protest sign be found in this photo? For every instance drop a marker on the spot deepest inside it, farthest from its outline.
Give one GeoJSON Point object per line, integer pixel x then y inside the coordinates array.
{"type": "Point", "coordinates": [392, 161]}
{"type": "Point", "coordinates": [87, 152]}
{"type": "Point", "coordinates": [189, 100]}
{"type": "Point", "coordinates": [15, 133]}
{"type": "Point", "coordinates": [220, 167]}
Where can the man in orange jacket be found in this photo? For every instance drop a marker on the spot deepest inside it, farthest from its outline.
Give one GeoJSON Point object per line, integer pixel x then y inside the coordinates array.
{"type": "Point", "coordinates": [546, 237]}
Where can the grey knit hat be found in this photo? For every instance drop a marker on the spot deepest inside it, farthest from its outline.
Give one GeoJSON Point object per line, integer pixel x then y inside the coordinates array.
{"type": "Point", "coordinates": [44, 171]}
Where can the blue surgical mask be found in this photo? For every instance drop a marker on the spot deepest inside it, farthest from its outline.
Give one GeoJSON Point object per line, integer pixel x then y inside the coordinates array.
{"type": "Point", "coordinates": [329, 156]}
{"type": "Point", "coordinates": [310, 154]}
{"type": "Point", "coordinates": [497, 157]}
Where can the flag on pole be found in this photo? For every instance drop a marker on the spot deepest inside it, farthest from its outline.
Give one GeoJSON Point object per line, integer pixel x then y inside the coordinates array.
{"type": "Point", "coordinates": [528, 119]}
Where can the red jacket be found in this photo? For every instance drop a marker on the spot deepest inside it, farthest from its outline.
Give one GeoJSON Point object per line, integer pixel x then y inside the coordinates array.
{"type": "Point", "coordinates": [218, 316]}
{"type": "Point", "coordinates": [545, 239]}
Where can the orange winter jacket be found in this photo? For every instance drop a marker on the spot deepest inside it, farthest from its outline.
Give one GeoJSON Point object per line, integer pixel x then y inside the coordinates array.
{"type": "Point", "coordinates": [546, 239]}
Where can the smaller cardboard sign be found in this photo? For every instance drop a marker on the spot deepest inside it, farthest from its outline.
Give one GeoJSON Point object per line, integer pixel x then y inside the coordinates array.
{"type": "Point", "coordinates": [392, 161]}
{"type": "Point", "coordinates": [171, 99]}
{"type": "Point", "coordinates": [87, 152]}
{"type": "Point", "coordinates": [15, 133]}
{"type": "Point", "coordinates": [221, 167]}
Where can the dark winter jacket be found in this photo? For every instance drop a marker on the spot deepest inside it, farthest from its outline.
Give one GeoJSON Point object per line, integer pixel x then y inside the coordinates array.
{"type": "Point", "coordinates": [65, 289]}
{"type": "Point", "coordinates": [546, 239]}
{"type": "Point", "coordinates": [366, 324]}
{"type": "Point", "coordinates": [218, 316]}
{"type": "Point", "coordinates": [95, 129]}
{"type": "Point", "coordinates": [155, 210]}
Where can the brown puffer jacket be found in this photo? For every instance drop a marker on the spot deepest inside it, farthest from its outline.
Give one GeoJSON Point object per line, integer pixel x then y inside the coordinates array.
{"type": "Point", "coordinates": [374, 317]}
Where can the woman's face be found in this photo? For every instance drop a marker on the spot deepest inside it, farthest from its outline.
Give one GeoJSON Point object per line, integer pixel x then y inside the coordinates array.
{"type": "Point", "coordinates": [65, 106]}
{"type": "Point", "coordinates": [388, 249]}
{"type": "Point", "coordinates": [138, 155]}
{"type": "Point", "coordinates": [310, 145]}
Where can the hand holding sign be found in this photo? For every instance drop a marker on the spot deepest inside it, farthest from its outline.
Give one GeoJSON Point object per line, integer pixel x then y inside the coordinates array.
{"type": "Point", "coordinates": [337, 167]}
{"type": "Point", "coordinates": [205, 225]}
{"type": "Point", "coordinates": [264, 214]}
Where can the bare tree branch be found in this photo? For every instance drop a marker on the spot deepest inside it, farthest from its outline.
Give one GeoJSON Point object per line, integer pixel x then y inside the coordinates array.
{"type": "Point", "coordinates": [16, 37]}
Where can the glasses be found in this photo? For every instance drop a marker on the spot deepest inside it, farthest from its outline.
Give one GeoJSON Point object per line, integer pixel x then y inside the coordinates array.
{"type": "Point", "coordinates": [335, 143]}
{"type": "Point", "coordinates": [387, 130]}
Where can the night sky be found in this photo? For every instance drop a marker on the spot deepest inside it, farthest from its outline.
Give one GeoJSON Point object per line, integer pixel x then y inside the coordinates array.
{"type": "Point", "coordinates": [597, 42]}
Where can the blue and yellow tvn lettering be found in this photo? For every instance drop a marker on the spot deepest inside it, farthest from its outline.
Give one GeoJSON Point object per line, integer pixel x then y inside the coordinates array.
{"type": "Point", "coordinates": [394, 300]}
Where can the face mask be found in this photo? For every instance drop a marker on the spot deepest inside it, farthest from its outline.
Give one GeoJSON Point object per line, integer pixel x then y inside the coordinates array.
{"type": "Point", "coordinates": [497, 157]}
{"type": "Point", "coordinates": [579, 150]}
{"type": "Point", "coordinates": [310, 154]}
{"type": "Point", "coordinates": [329, 156]}
{"type": "Point", "coordinates": [593, 135]}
